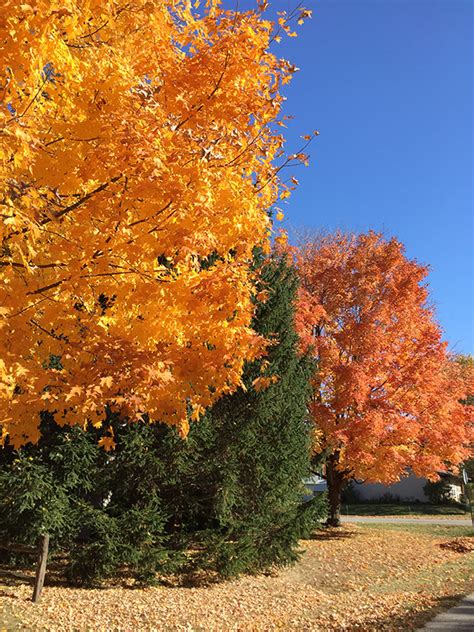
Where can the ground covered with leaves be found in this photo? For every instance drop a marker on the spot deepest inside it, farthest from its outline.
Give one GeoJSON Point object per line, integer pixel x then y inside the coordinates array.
{"type": "Point", "coordinates": [364, 577]}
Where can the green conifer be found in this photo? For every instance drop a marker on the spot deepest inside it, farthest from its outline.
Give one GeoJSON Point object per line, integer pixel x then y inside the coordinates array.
{"type": "Point", "coordinates": [227, 500]}
{"type": "Point", "coordinates": [254, 449]}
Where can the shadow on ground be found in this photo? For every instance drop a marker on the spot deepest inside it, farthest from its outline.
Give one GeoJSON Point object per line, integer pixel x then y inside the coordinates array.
{"type": "Point", "coordinates": [55, 577]}
{"type": "Point", "coordinates": [332, 533]}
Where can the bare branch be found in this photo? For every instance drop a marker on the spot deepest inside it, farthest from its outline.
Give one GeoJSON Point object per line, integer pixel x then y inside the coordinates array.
{"type": "Point", "coordinates": [145, 219]}
{"type": "Point", "coordinates": [50, 333]}
{"type": "Point", "coordinates": [47, 287]}
{"type": "Point", "coordinates": [38, 92]}
{"type": "Point", "coordinates": [17, 264]}
{"type": "Point", "coordinates": [81, 201]}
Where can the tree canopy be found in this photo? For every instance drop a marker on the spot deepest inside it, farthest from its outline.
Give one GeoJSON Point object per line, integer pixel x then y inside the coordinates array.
{"type": "Point", "coordinates": [386, 396]}
{"type": "Point", "coordinates": [137, 167]}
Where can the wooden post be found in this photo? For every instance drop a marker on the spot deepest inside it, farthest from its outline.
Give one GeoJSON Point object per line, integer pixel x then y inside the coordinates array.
{"type": "Point", "coordinates": [43, 545]}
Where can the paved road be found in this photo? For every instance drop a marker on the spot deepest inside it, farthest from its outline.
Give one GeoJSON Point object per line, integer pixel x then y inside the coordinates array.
{"type": "Point", "coordinates": [458, 619]}
{"type": "Point", "coordinates": [460, 522]}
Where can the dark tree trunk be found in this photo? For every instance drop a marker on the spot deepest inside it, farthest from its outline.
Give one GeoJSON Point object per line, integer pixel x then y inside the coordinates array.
{"type": "Point", "coordinates": [43, 545]}
{"type": "Point", "coordinates": [336, 482]}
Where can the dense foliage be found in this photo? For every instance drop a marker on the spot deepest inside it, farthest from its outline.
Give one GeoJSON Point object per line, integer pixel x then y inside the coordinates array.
{"type": "Point", "coordinates": [466, 365]}
{"type": "Point", "coordinates": [226, 500]}
{"type": "Point", "coordinates": [138, 140]}
{"type": "Point", "coordinates": [386, 396]}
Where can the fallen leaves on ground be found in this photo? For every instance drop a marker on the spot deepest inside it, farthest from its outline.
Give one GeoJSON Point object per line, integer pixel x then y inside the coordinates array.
{"type": "Point", "coordinates": [354, 578]}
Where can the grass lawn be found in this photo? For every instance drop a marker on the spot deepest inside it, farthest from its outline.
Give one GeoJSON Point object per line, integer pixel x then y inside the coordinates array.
{"type": "Point", "coordinates": [416, 509]}
{"type": "Point", "coordinates": [435, 530]}
{"type": "Point", "coordinates": [360, 577]}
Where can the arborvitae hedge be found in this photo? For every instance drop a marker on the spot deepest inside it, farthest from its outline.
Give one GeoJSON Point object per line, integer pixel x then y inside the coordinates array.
{"type": "Point", "coordinates": [227, 500]}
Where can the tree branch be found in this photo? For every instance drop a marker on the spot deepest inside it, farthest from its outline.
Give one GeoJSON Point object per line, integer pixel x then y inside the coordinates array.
{"type": "Point", "coordinates": [209, 96]}
{"type": "Point", "coordinates": [81, 201]}
{"type": "Point", "coordinates": [46, 287]}
{"type": "Point", "coordinates": [145, 219]}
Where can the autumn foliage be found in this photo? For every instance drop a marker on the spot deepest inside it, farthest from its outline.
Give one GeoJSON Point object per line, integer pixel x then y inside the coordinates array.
{"type": "Point", "coordinates": [386, 395]}
{"type": "Point", "coordinates": [136, 168]}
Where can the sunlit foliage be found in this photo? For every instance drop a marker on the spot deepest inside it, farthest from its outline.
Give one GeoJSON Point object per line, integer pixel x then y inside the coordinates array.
{"type": "Point", "coordinates": [386, 395]}
{"type": "Point", "coordinates": [137, 167]}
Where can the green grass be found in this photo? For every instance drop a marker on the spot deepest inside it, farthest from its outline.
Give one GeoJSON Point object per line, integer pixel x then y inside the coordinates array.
{"type": "Point", "coordinates": [441, 531]}
{"type": "Point", "coordinates": [419, 509]}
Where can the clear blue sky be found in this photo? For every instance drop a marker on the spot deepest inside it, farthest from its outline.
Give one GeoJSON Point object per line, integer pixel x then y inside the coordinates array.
{"type": "Point", "coordinates": [389, 85]}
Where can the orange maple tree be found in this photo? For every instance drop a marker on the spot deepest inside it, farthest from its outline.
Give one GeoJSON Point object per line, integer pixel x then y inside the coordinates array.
{"type": "Point", "coordinates": [386, 393]}
{"type": "Point", "coordinates": [137, 167]}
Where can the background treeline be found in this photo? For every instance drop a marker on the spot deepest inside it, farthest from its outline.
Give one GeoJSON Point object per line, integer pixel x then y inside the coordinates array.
{"type": "Point", "coordinates": [225, 501]}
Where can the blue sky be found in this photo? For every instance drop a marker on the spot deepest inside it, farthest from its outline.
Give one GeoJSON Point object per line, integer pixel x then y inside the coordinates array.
{"type": "Point", "coordinates": [389, 85]}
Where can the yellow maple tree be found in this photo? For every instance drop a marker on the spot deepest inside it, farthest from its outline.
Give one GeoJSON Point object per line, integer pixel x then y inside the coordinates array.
{"type": "Point", "coordinates": [137, 167]}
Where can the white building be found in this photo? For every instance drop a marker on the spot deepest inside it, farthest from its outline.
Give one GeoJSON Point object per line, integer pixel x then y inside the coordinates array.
{"type": "Point", "coordinates": [315, 484]}
{"type": "Point", "coordinates": [408, 489]}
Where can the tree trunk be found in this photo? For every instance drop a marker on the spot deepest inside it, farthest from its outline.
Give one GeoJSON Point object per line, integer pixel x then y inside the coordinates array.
{"type": "Point", "coordinates": [335, 481]}
{"type": "Point", "coordinates": [43, 545]}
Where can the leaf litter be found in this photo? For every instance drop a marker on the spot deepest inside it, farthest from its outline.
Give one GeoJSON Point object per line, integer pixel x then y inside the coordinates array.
{"type": "Point", "coordinates": [353, 578]}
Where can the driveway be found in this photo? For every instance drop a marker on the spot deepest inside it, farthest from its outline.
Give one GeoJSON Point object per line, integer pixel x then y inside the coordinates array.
{"type": "Point", "coordinates": [460, 618]}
